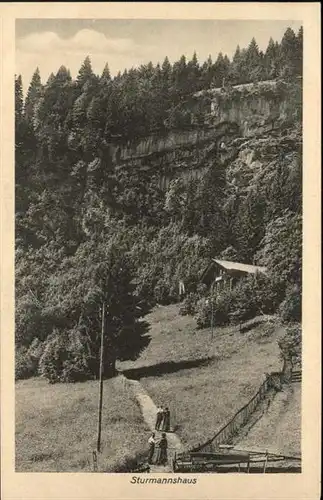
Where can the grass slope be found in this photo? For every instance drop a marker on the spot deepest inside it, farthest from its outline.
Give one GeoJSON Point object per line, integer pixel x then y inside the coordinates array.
{"type": "Point", "coordinates": [216, 377]}
{"type": "Point", "coordinates": [56, 426]}
{"type": "Point", "coordinates": [279, 430]}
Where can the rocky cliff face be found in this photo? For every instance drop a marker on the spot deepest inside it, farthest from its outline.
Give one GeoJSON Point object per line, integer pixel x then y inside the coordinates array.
{"type": "Point", "coordinates": [225, 124]}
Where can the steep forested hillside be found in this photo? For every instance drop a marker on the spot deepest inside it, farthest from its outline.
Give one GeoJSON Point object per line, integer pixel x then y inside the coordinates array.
{"type": "Point", "coordinates": [126, 185]}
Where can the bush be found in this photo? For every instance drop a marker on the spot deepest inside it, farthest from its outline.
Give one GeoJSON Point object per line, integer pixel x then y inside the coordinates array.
{"type": "Point", "coordinates": [27, 360]}
{"type": "Point", "coordinates": [189, 305]}
{"type": "Point", "coordinates": [203, 315]}
{"type": "Point", "coordinates": [244, 305]}
{"type": "Point", "coordinates": [130, 464]}
{"type": "Point", "coordinates": [290, 310]}
{"type": "Point", "coordinates": [268, 329]}
{"type": "Point", "coordinates": [251, 296]}
{"type": "Point", "coordinates": [223, 304]}
{"type": "Point", "coordinates": [162, 294]}
{"type": "Point", "coordinates": [268, 293]}
{"type": "Point", "coordinates": [64, 359]}
{"type": "Point", "coordinates": [291, 344]}
{"type": "Point", "coordinates": [24, 367]}
{"type": "Point", "coordinates": [52, 360]}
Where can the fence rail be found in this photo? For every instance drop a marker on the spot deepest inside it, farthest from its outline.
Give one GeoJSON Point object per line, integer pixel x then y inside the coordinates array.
{"type": "Point", "coordinates": [237, 460]}
{"type": "Point", "coordinates": [241, 416]}
{"type": "Point", "coordinates": [296, 376]}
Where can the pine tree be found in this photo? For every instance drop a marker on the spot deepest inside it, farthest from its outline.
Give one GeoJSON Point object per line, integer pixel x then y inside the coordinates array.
{"type": "Point", "coordinates": [99, 272]}
{"type": "Point", "coordinates": [85, 72]}
{"type": "Point", "coordinates": [237, 68]}
{"type": "Point", "coordinates": [19, 101]}
{"type": "Point", "coordinates": [299, 54]}
{"type": "Point", "coordinates": [272, 59]}
{"type": "Point", "coordinates": [50, 79]}
{"type": "Point", "coordinates": [25, 150]}
{"type": "Point", "coordinates": [221, 70]}
{"type": "Point", "coordinates": [63, 75]}
{"type": "Point", "coordinates": [33, 95]}
{"type": "Point", "coordinates": [106, 76]}
{"type": "Point", "coordinates": [288, 54]}
{"type": "Point", "coordinates": [193, 74]}
{"type": "Point", "coordinates": [237, 55]}
{"type": "Point", "coordinates": [179, 76]}
{"type": "Point", "coordinates": [253, 51]}
{"type": "Point", "coordinates": [166, 81]}
{"type": "Point", "coordinates": [207, 73]}
{"type": "Point", "coordinates": [254, 61]}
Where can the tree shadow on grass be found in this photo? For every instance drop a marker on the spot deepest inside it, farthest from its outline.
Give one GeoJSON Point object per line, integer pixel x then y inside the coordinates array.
{"type": "Point", "coordinates": [166, 367]}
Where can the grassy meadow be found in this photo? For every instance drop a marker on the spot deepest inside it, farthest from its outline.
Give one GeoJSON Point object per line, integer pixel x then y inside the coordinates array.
{"type": "Point", "coordinates": [204, 381]}
{"type": "Point", "coordinates": [283, 415]}
{"type": "Point", "coordinates": [56, 426]}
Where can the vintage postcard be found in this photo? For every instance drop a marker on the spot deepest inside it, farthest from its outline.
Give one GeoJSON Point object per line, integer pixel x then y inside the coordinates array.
{"type": "Point", "coordinates": [160, 270]}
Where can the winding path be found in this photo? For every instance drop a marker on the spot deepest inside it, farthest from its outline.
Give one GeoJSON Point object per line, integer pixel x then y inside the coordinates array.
{"type": "Point", "coordinates": [149, 410]}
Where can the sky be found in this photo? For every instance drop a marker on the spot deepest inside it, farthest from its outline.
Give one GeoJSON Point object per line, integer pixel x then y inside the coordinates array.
{"type": "Point", "coordinates": [50, 43]}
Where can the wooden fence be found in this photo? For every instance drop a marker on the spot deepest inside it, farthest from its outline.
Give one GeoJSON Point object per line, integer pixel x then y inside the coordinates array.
{"type": "Point", "coordinates": [241, 417]}
{"type": "Point", "coordinates": [296, 376]}
{"type": "Point", "coordinates": [234, 460]}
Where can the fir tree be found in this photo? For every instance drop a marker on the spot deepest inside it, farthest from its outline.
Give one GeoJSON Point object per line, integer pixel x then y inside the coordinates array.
{"type": "Point", "coordinates": [19, 100]}
{"type": "Point", "coordinates": [289, 54]}
{"type": "Point", "coordinates": [85, 72]}
{"type": "Point", "coordinates": [106, 76]}
{"type": "Point", "coordinates": [33, 95]}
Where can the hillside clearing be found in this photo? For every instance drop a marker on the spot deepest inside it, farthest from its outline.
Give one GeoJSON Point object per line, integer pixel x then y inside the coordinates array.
{"type": "Point", "coordinates": [203, 381]}
{"type": "Point", "coordinates": [279, 430]}
{"type": "Point", "coordinates": [56, 426]}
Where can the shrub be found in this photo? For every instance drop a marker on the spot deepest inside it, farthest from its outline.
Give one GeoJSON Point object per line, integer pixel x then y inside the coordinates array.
{"type": "Point", "coordinates": [223, 304]}
{"type": "Point", "coordinates": [27, 359]}
{"type": "Point", "coordinates": [24, 367]}
{"type": "Point", "coordinates": [245, 304]}
{"type": "Point", "coordinates": [64, 359]}
{"type": "Point", "coordinates": [203, 316]}
{"type": "Point", "coordinates": [268, 293]}
{"type": "Point", "coordinates": [52, 360]}
{"type": "Point", "coordinates": [189, 305]}
{"type": "Point", "coordinates": [251, 296]}
{"type": "Point", "coordinates": [268, 329]}
{"type": "Point", "coordinates": [291, 345]}
{"type": "Point", "coordinates": [290, 310]}
{"type": "Point", "coordinates": [127, 463]}
{"type": "Point", "coordinates": [161, 293]}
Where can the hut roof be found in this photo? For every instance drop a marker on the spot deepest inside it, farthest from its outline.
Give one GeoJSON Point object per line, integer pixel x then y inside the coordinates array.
{"type": "Point", "coordinates": [238, 266]}
{"type": "Point", "coordinates": [233, 266]}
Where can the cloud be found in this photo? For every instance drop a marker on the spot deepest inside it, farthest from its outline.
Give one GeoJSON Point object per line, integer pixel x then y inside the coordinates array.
{"type": "Point", "coordinates": [48, 51]}
{"type": "Point", "coordinates": [85, 40]}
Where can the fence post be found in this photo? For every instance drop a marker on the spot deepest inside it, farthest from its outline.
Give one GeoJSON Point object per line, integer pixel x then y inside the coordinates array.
{"type": "Point", "coordinates": [239, 419]}
{"type": "Point", "coordinates": [95, 461]}
{"type": "Point", "coordinates": [265, 461]}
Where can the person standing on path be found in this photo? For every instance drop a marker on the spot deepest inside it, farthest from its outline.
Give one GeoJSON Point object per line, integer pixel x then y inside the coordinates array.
{"type": "Point", "coordinates": [159, 417]}
{"type": "Point", "coordinates": [162, 451]}
{"type": "Point", "coordinates": [163, 420]}
{"type": "Point", "coordinates": [166, 426]}
{"type": "Point", "coordinates": [151, 443]}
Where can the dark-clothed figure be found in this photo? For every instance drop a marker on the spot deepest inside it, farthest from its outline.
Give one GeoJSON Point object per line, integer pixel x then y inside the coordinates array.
{"type": "Point", "coordinates": [159, 417]}
{"type": "Point", "coordinates": [151, 443]}
{"type": "Point", "coordinates": [162, 451]}
{"type": "Point", "coordinates": [166, 420]}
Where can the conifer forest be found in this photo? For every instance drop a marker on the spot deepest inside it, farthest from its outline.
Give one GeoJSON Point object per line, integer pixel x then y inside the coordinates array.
{"type": "Point", "coordinates": [127, 185]}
